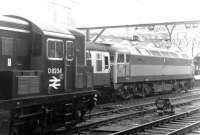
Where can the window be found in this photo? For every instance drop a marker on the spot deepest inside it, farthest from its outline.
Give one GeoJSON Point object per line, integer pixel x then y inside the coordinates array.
{"type": "Point", "coordinates": [88, 58]}
{"type": "Point", "coordinates": [51, 49]}
{"type": "Point", "coordinates": [120, 58]}
{"type": "Point", "coordinates": [112, 58]}
{"type": "Point", "coordinates": [165, 54]}
{"type": "Point", "coordinates": [134, 51]}
{"type": "Point", "coordinates": [98, 62]}
{"type": "Point", "coordinates": [127, 58]}
{"type": "Point", "coordinates": [55, 49]}
{"type": "Point", "coordinates": [174, 54]}
{"type": "Point", "coordinates": [155, 53]}
{"type": "Point", "coordinates": [70, 51]}
{"type": "Point", "coordinates": [59, 50]}
{"type": "Point", "coordinates": [7, 46]}
{"type": "Point", "coordinates": [106, 62]}
{"type": "Point", "coordinates": [184, 55]}
{"type": "Point", "coordinates": [144, 51]}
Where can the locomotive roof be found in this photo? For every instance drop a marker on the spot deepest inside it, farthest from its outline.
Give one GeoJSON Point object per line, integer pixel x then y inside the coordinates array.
{"type": "Point", "coordinates": [13, 20]}
{"type": "Point", "coordinates": [36, 25]}
{"type": "Point", "coordinates": [140, 48]}
{"type": "Point", "coordinates": [98, 46]}
{"type": "Point", "coordinates": [13, 24]}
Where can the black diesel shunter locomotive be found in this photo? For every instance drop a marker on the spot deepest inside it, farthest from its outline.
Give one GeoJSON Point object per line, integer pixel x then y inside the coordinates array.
{"type": "Point", "coordinates": [45, 83]}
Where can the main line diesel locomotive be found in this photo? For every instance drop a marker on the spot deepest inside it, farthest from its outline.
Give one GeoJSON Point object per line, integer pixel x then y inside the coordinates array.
{"type": "Point", "coordinates": [45, 83]}
{"type": "Point", "coordinates": [134, 69]}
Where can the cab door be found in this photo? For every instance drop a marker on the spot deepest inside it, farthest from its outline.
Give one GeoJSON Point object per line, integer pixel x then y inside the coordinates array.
{"type": "Point", "coordinates": [69, 66]}
{"type": "Point", "coordinates": [55, 65]}
{"type": "Point", "coordinates": [7, 49]}
{"type": "Point", "coordinates": [106, 62]}
{"type": "Point", "coordinates": [121, 65]}
{"type": "Point", "coordinates": [127, 67]}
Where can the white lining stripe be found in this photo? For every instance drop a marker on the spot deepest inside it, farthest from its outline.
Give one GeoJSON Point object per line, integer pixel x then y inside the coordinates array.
{"type": "Point", "coordinates": [153, 70]}
{"type": "Point", "coordinates": [13, 20]}
{"type": "Point", "coordinates": [13, 29]}
{"type": "Point", "coordinates": [138, 70]}
{"type": "Point", "coordinates": [58, 35]}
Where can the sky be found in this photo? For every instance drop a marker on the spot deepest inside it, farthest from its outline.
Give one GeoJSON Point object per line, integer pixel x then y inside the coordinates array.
{"type": "Point", "coordinates": [29, 8]}
{"type": "Point", "coordinates": [105, 12]}
{"type": "Point", "coordinates": [88, 13]}
{"type": "Point", "coordinates": [117, 12]}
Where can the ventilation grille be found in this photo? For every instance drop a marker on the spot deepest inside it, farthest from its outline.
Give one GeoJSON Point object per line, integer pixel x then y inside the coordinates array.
{"type": "Point", "coordinates": [28, 85]}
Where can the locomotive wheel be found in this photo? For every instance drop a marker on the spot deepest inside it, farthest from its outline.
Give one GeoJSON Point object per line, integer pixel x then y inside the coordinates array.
{"type": "Point", "coordinates": [14, 131]}
{"type": "Point", "coordinates": [143, 93]}
{"type": "Point", "coordinates": [78, 116]}
{"type": "Point", "coordinates": [124, 93]}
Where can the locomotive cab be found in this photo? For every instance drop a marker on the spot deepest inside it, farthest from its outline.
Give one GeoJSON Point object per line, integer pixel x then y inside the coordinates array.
{"type": "Point", "coordinates": [42, 53]}
{"type": "Point", "coordinates": [44, 78]}
{"type": "Point", "coordinates": [99, 58]}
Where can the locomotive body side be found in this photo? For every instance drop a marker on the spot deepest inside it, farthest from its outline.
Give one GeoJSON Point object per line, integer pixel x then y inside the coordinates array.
{"type": "Point", "coordinates": [150, 68]}
{"type": "Point", "coordinates": [152, 71]}
{"type": "Point", "coordinates": [141, 71]}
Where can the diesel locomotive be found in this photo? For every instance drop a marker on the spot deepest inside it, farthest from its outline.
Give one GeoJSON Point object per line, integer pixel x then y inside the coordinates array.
{"type": "Point", "coordinates": [126, 69]}
{"type": "Point", "coordinates": [45, 83]}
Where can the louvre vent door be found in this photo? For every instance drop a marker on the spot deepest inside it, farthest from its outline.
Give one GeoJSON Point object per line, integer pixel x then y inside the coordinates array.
{"type": "Point", "coordinates": [15, 52]}
{"type": "Point", "coordinates": [7, 47]}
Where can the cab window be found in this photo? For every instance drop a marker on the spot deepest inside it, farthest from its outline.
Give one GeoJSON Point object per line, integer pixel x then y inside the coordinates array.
{"type": "Point", "coordinates": [70, 51]}
{"type": "Point", "coordinates": [127, 58]}
{"type": "Point", "coordinates": [98, 62]}
{"type": "Point", "coordinates": [144, 52]}
{"type": "Point", "coordinates": [106, 62]}
{"type": "Point", "coordinates": [120, 58]}
{"type": "Point", "coordinates": [88, 58]}
{"type": "Point", "coordinates": [112, 58]}
{"type": "Point", "coordinates": [155, 53]}
{"type": "Point", "coordinates": [165, 54]}
{"type": "Point", "coordinates": [55, 49]}
{"type": "Point", "coordinates": [135, 51]}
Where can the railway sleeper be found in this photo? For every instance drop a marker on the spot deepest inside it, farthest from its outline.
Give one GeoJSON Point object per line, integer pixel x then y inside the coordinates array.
{"type": "Point", "coordinates": [144, 133]}
{"type": "Point", "coordinates": [156, 131]}
{"type": "Point", "coordinates": [162, 128]}
{"type": "Point", "coordinates": [5, 122]}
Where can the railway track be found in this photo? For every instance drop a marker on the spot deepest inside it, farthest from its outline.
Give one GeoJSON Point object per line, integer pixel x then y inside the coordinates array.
{"type": "Point", "coordinates": [131, 114]}
{"type": "Point", "coordinates": [141, 103]}
{"type": "Point", "coordinates": [121, 124]}
{"type": "Point", "coordinates": [172, 125]}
